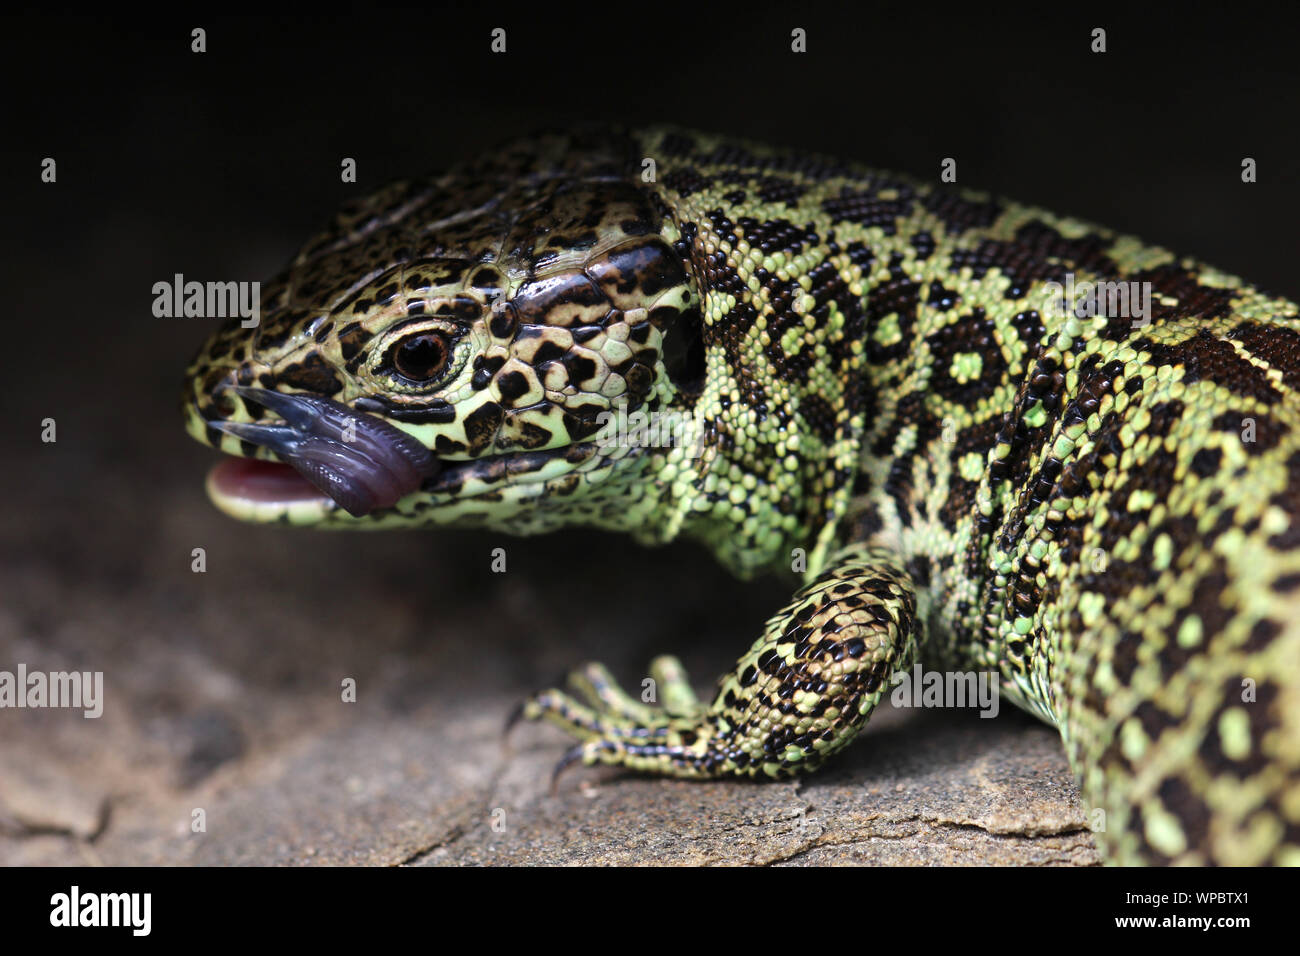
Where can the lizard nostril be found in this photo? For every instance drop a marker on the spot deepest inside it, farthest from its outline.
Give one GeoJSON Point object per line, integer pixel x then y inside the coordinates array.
{"type": "Point", "coordinates": [212, 393]}
{"type": "Point", "coordinates": [224, 406]}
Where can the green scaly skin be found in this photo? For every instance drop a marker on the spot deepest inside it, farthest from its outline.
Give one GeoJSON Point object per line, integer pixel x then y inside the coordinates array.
{"type": "Point", "coordinates": [1102, 513]}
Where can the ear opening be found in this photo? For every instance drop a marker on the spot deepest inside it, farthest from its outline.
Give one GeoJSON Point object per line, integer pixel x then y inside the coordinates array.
{"type": "Point", "coordinates": [683, 352]}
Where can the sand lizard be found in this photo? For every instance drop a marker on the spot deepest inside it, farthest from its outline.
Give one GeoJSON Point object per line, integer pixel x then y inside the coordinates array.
{"type": "Point", "coordinates": [885, 391]}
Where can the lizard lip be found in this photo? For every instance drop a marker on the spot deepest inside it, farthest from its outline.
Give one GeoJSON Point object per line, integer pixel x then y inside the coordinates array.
{"type": "Point", "coordinates": [358, 460]}
{"type": "Point", "coordinates": [251, 481]}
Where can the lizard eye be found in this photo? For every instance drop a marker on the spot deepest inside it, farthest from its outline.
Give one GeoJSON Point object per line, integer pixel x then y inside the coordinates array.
{"type": "Point", "coordinates": [422, 357]}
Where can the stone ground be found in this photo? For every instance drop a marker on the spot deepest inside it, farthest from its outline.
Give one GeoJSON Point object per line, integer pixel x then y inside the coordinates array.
{"type": "Point", "coordinates": [222, 693]}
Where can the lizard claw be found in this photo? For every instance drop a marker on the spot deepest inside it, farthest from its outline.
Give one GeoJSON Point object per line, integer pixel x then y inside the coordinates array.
{"type": "Point", "coordinates": [575, 754]}
{"type": "Point", "coordinates": [516, 717]}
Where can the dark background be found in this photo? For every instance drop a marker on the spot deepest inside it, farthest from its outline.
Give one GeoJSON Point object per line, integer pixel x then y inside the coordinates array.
{"type": "Point", "coordinates": [218, 165]}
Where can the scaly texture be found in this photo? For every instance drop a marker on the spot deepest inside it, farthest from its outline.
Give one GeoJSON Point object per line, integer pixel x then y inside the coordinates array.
{"type": "Point", "coordinates": [1100, 509]}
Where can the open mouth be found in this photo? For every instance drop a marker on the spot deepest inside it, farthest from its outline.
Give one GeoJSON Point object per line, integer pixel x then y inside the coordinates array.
{"type": "Point", "coordinates": [327, 449]}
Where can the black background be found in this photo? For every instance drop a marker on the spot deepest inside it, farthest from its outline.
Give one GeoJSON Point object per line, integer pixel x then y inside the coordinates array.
{"type": "Point", "coordinates": [218, 165]}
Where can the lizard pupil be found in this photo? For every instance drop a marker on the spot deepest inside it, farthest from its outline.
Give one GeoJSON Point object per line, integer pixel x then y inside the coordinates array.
{"type": "Point", "coordinates": [422, 357]}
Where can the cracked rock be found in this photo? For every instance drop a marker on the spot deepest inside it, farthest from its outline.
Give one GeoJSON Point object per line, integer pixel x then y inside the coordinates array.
{"type": "Point", "coordinates": [41, 799]}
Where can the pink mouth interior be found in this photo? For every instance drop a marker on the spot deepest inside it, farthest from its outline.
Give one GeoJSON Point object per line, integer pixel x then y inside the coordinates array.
{"type": "Point", "coordinates": [264, 481]}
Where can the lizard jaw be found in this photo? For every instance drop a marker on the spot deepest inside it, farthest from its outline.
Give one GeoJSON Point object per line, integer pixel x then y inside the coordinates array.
{"type": "Point", "coordinates": [332, 457]}
{"type": "Point", "coordinates": [251, 489]}
{"type": "Point", "coordinates": [356, 460]}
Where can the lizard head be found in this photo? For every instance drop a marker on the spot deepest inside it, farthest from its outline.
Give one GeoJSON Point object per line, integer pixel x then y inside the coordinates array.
{"type": "Point", "coordinates": [459, 351]}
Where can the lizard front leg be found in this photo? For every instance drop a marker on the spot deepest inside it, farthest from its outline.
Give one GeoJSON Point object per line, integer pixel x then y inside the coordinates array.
{"type": "Point", "coordinates": [802, 692]}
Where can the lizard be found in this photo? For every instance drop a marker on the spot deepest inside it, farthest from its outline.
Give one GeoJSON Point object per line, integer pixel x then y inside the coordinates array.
{"type": "Point", "coordinates": [887, 394]}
